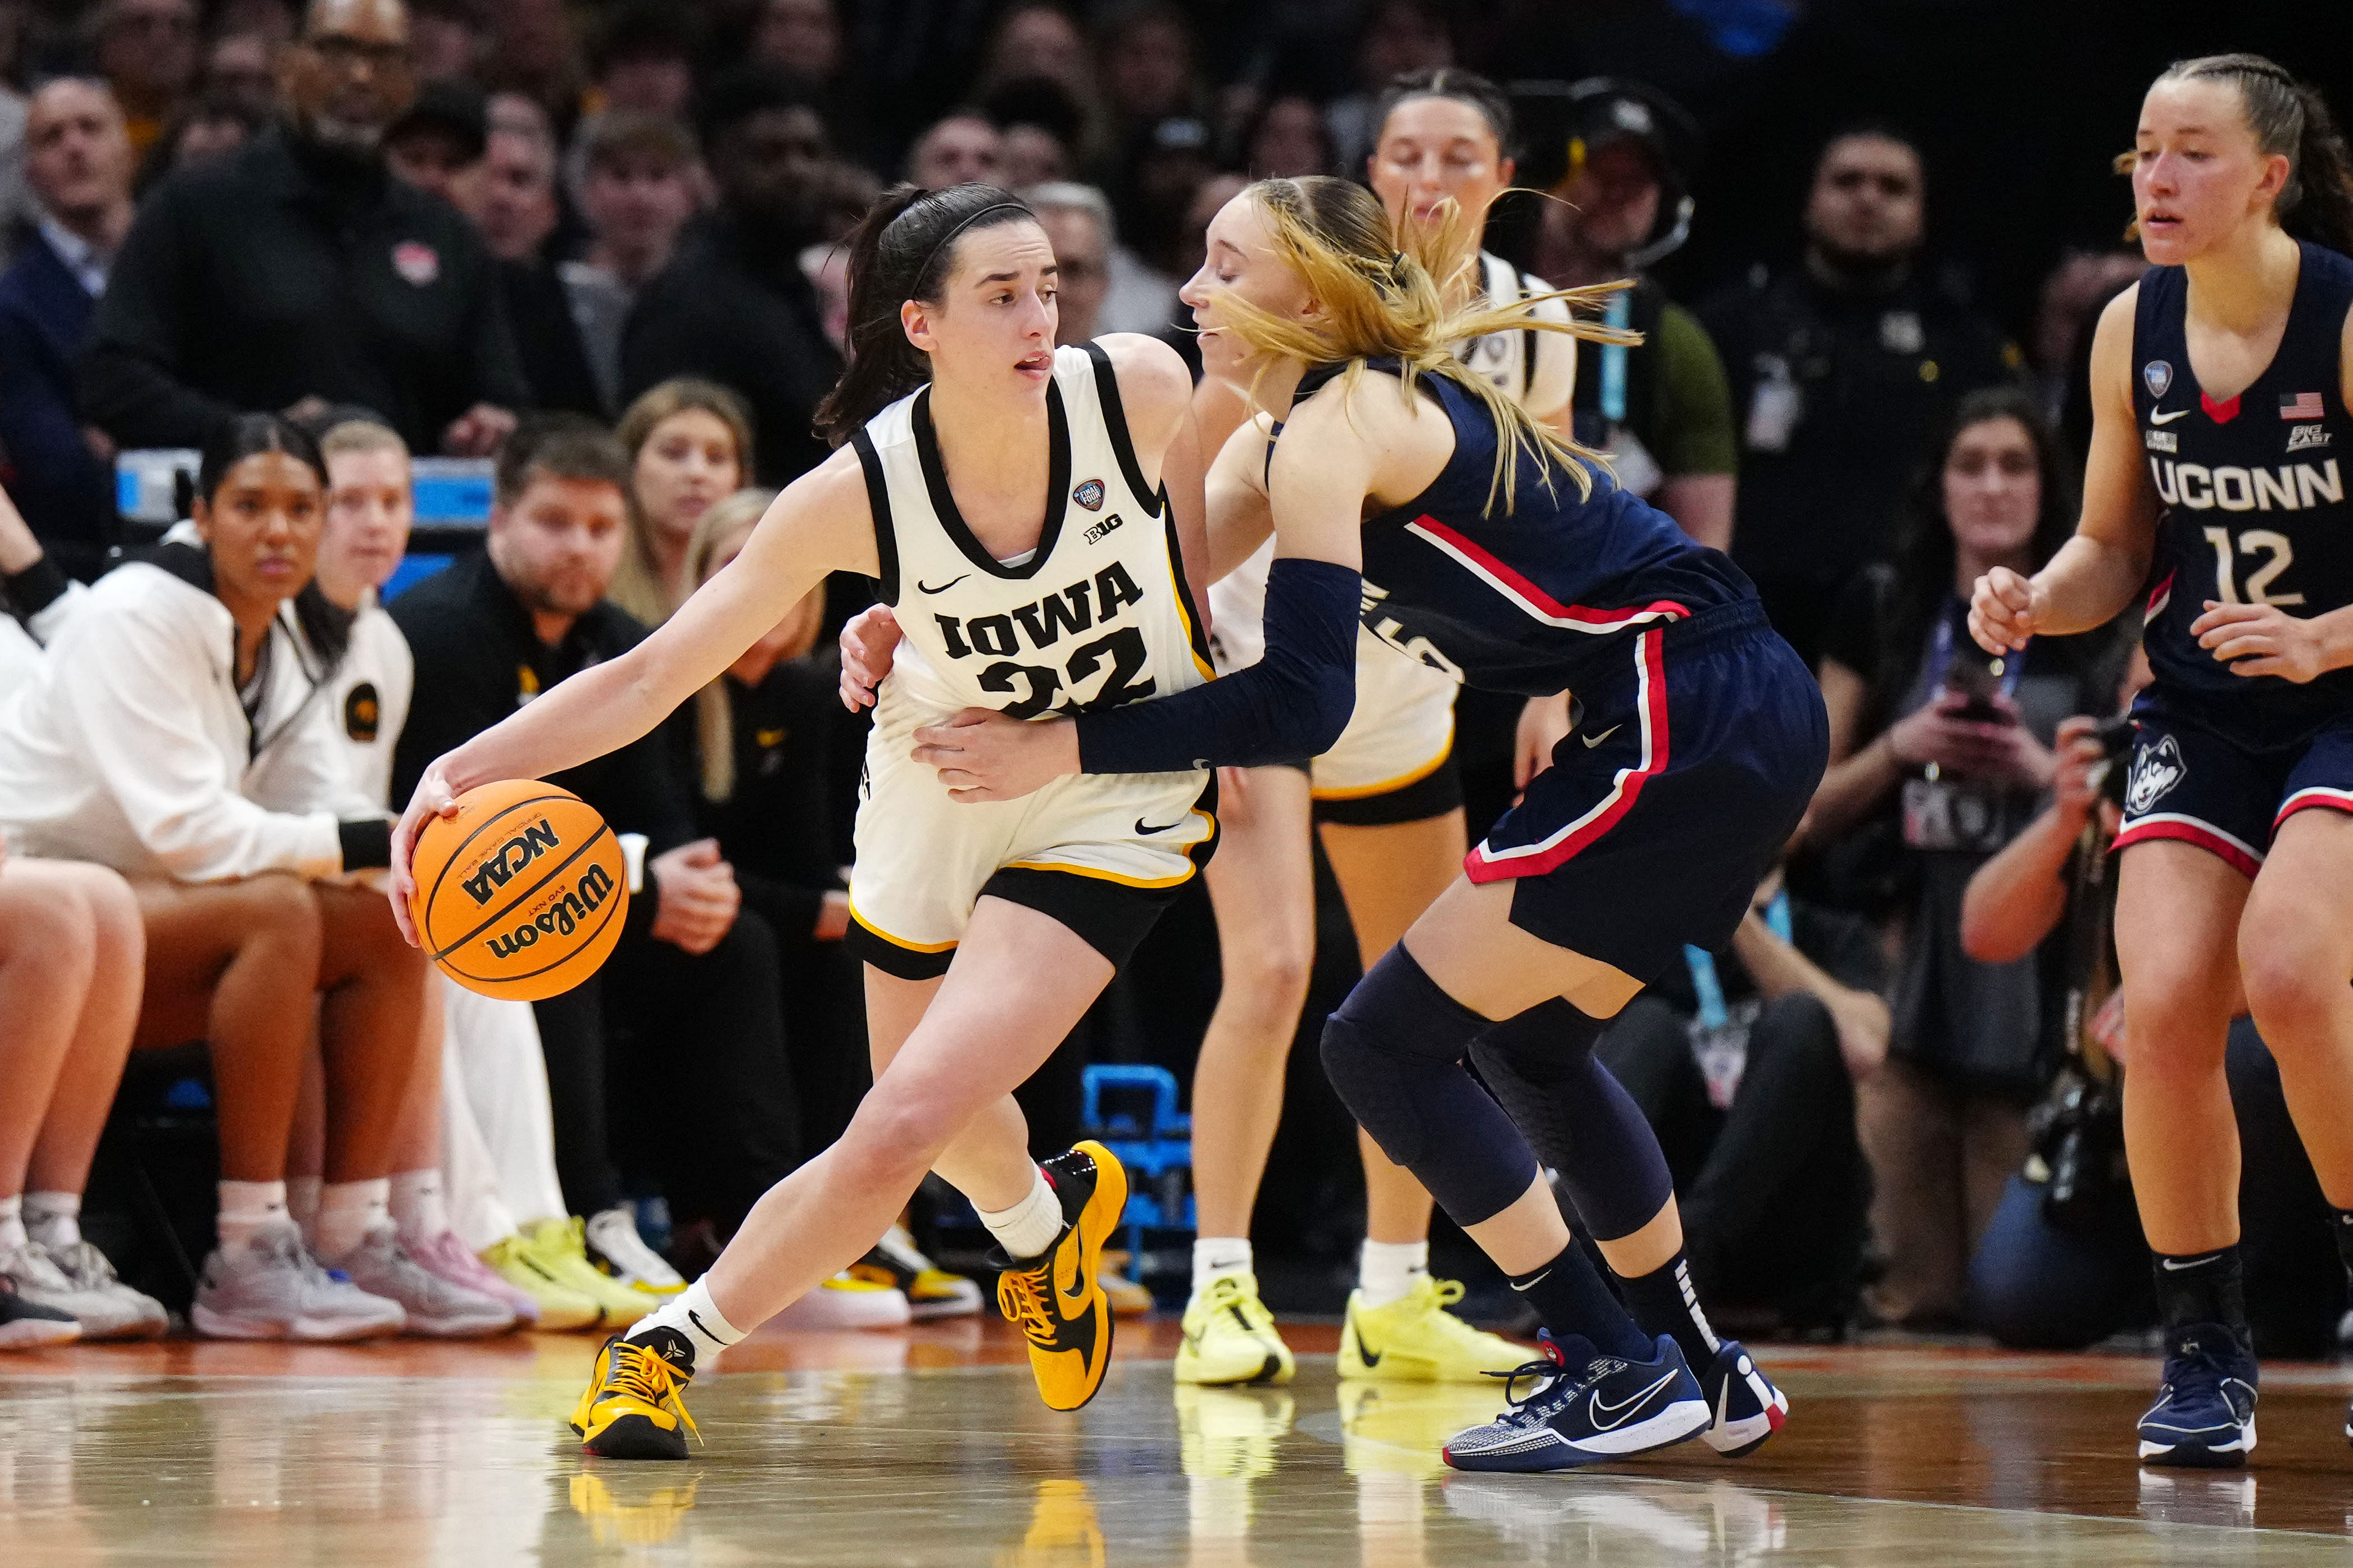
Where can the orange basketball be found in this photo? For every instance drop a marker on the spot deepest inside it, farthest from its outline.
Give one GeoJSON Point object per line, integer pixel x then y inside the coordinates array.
{"type": "Point", "coordinates": [522, 893]}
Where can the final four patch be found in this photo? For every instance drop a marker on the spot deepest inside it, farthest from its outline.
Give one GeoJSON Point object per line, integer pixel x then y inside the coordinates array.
{"type": "Point", "coordinates": [1089, 495]}
{"type": "Point", "coordinates": [2158, 374]}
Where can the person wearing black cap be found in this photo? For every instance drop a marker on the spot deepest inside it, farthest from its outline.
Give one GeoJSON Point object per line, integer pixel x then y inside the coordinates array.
{"type": "Point", "coordinates": [1616, 157]}
{"type": "Point", "coordinates": [299, 270]}
{"type": "Point", "coordinates": [438, 140]}
{"type": "Point", "coordinates": [1843, 368]}
{"type": "Point", "coordinates": [734, 306]}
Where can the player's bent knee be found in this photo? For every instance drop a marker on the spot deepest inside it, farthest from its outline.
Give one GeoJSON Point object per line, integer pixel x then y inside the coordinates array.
{"type": "Point", "coordinates": [1381, 1097]}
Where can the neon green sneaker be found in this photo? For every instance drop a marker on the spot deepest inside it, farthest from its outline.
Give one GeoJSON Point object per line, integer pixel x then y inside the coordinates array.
{"type": "Point", "coordinates": [1229, 1336]}
{"type": "Point", "coordinates": [1415, 1339]}
{"type": "Point", "coordinates": [559, 1249]}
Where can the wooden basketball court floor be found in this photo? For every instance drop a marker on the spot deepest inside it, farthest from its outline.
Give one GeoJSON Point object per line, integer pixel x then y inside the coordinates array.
{"type": "Point", "coordinates": [929, 1447]}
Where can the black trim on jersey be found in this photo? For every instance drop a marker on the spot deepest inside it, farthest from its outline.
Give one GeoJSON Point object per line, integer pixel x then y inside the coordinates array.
{"type": "Point", "coordinates": [1434, 793]}
{"type": "Point", "coordinates": [878, 501]}
{"type": "Point", "coordinates": [1199, 630]}
{"type": "Point", "coordinates": [1122, 442]}
{"type": "Point", "coordinates": [900, 963]}
{"type": "Point", "coordinates": [1058, 488]}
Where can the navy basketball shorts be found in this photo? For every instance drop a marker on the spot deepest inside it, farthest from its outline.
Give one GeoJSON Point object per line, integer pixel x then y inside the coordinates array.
{"type": "Point", "coordinates": [2192, 784]}
{"type": "Point", "coordinates": [1674, 795]}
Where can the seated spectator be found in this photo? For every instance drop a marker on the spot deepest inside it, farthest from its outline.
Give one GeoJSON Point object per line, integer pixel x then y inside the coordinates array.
{"type": "Point", "coordinates": [1937, 756]}
{"type": "Point", "coordinates": [690, 994]}
{"type": "Point", "coordinates": [645, 63]}
{"type": "Point", "coordinates": [437, 143]}
{"type": "Point", "coordinates": [1035, 45]}
{"type": "Point", "coordinates": [146, 49]}
{"type": "Point", "coordinates": [297, 270]}
{"type": "Point", "coordinates": [175, 684]}
{"type": "Point", "coordinates": [238, 70]}
{"type": "Point", "coordinates": [204, 131]}
{"type": "Point", "coordinates": [640, 185]}
{"type": "Point", "coordinates": [515, 205]}
{"type": "Point", "coordinates": [535, 55]}
{"type": "Point", "coordinates": [1287, 140]}
{"type": "Point", "coordinates": [79, 169]}
{"type": "Point", "coordinates": [1104, 287]}
{"type": "Point", "coordinates": [733, 306]}
{"type": "Point", "coordinates": [1743, 1063]}
{"type": "Point", "coordinates": [690, 443]}
{"type": "Point", "coordinates": [448, 41]}
{"type": "Point", "coordinates": [963, 148]}
{"type": "Point", "coordinates": [1400, 38]}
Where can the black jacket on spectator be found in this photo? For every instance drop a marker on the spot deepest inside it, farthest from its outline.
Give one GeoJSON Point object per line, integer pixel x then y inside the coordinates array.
{"type": "Point", "coordinates": [478, 659]}
{"type": "Point", "coordinates": [734, 307]}
{"type": "Point", "coordinates": [547, 341]}
{"type": "Point", "coordinates": [65, 493]}
{"type": "Point", "coordinates": [1836, 394]}
{"type": "Point", "coordinates": [777, 829]}
{"type": "Point", "coordinates": [285, 272]}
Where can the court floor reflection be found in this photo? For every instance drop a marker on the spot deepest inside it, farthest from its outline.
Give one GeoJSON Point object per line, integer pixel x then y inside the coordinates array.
{"type": "Point", "coordinates": [1934, 1460]}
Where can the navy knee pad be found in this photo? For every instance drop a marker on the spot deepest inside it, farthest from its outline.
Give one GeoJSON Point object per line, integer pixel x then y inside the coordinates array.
{"type": "Point", "coordinates": [1394, 1053]}
{"type": "Point", "coordinates": [1580, 1117]}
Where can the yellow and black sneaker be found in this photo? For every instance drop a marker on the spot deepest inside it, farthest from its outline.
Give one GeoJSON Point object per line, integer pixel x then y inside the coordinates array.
{"type": "Point", "coordinates": [1058, 1298]}
{"type": "Point", "coordinates": [631, 1409]}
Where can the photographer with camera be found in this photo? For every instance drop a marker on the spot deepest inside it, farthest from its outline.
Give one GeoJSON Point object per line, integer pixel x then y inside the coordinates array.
{"type": "Point", "coordinates": [2062, 1264]}
{"type": "Point", "coordinates": [1940, 757]}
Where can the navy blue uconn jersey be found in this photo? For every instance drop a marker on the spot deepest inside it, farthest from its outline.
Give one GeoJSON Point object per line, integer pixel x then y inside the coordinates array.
{"type": "Point", "coordinates": [2253, 492]}
{"type": "Point", "coordinates": [1538, 597]}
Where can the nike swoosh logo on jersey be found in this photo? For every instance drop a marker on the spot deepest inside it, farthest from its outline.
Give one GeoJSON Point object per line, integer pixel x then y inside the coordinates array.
{"type": "Point", "coordinates": [1621, 1412]}
{"type": "Point", "coordinates": [1593, 740]}
{"type": "Point", "coordinates": [1141, 826]}
{"type": "Point", "coordinates": [944, 587]}
{"type": "Point", "coordinates": [2155, 417]}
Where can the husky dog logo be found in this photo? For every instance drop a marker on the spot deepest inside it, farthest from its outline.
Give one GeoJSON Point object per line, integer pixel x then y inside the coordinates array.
{"type": "Point", "coordinates": [1089, 495]}
{"type": "Point", "coordinates": [2158, 374]}
{"type": "Point", "coordinates": [2155, 770]}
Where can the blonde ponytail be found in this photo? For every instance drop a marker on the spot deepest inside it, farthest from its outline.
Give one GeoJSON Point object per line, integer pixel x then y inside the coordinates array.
{"type": "Point", "coordinates": [1408, 301]}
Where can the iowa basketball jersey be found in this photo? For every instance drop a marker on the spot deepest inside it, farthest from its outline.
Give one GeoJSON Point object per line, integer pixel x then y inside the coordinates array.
{"type": "Point", "coordinates": [1096, 617]}
{"type": "Point", "coordinates": [1539, 368]}
{"type": "Point", "coordinates": [2255, 509]}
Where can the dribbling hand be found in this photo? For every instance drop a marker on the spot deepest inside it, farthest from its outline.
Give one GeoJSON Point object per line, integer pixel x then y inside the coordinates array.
{"type": "Point", "coordinates": [2005, 610]}
{"type": "Point", "coordinates": [869, 645]}
{"type": "Point", "coordinates": [434, 797]}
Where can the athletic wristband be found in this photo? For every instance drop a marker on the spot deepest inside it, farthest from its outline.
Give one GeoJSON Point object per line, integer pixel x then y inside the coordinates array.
{"type": "Point", "coordinates": [366, 842]}
{"type": "Point", "coordinates": [1293, 702]}
{"type": "Point", "coordinates": [35, 588]}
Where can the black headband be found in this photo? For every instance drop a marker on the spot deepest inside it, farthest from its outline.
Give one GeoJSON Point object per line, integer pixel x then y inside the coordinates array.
{"type": "Point", "coordinates": [949, 239]}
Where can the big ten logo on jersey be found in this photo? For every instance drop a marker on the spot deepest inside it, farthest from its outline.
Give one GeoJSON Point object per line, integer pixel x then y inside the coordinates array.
{"type": "Point", "coordinates": [1090, 604]}
{"type": "Point", "coordinates": [1392, 631]}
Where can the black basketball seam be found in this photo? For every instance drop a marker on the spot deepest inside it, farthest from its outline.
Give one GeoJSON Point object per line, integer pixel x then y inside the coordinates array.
{"type": "Point", "coordinates": [459, 853]}
{"type": "Point", "coordinates": [553, 872]}
{"type": "Point", "coordinates": [610, 908]}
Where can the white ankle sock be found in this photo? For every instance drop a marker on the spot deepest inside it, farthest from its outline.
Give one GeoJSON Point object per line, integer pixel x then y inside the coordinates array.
{"type": "Point", "coordinates": [1385, 1270]}
{"type": "Point", "coordinates": [1216, 1256]}
{"type": "Point", "coordinates": [1029, 1227]}
{"type": "Point", "coordinates": [245, 1207]}
{"type": "Point", "coordinates": [694, 1314]}
{"type": "Point", "coordinates": [417, 1205]}
{"type": "Point", "coordinates": [54, 1219]}
{"type": "Point", "coordinates": [12, 1222]}
{"type": "Point", "coordinates": [303, 1201]}
{"type": "Point", "coordinates": [348, 1211]}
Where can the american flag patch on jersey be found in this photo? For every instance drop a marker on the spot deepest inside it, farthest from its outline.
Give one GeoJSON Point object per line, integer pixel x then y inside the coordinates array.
{"type": "Point", "coordinates": [2302, 405]}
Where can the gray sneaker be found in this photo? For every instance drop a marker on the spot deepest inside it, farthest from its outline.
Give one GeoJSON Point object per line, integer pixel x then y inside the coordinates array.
{"type": "Point", "coordinates": [436, 1307]}
{"type": "Point", "coordinates": [39, 1280]}
{"type": "Point", "coordinates": [136, 1316]}
{"type": "Point", "coordinates": [273, 1288]}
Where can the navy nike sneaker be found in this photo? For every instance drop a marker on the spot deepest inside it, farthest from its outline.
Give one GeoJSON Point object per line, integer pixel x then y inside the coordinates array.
{"type": "Point", "coordinates": [2204, 1416]}
{"type": "Point", "coordinates": [1743, 1407]}
{"type": "Point", "coordinates": [1587, 1408]}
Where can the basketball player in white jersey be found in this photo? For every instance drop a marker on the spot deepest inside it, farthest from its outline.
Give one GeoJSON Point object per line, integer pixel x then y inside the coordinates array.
{"type": "Point", "coordinates": [1009, 497]}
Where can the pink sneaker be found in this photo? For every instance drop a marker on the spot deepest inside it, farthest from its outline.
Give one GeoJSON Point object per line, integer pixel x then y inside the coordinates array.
{"type": "Point", "coordinates": [445, 1258]}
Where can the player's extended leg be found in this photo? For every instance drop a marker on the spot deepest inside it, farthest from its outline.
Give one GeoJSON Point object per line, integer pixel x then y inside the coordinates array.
{"type": "Point", "coordinates": [1262, 888]}
{"type": "Point", "coordinates": [1397, 1324]}
{"type": "Point", "coordinates": [1019, 983]}
{"type": "Point", "coordinates": [2178, 909]}
{"type": "Point", "coordinates": [2295, 956]}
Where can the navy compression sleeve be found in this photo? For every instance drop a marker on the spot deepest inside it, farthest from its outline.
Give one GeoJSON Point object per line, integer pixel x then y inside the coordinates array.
{"type": "Point", "coordinates": [1290, 705]}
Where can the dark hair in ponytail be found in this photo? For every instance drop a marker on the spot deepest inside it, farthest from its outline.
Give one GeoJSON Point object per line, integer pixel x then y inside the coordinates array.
{"type": "Point", "coordinates": [902, 249]}
{"type": "Point", "coordinates": [243, 436]}
{"type": "Point", "coordinates": [2289, 117]}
